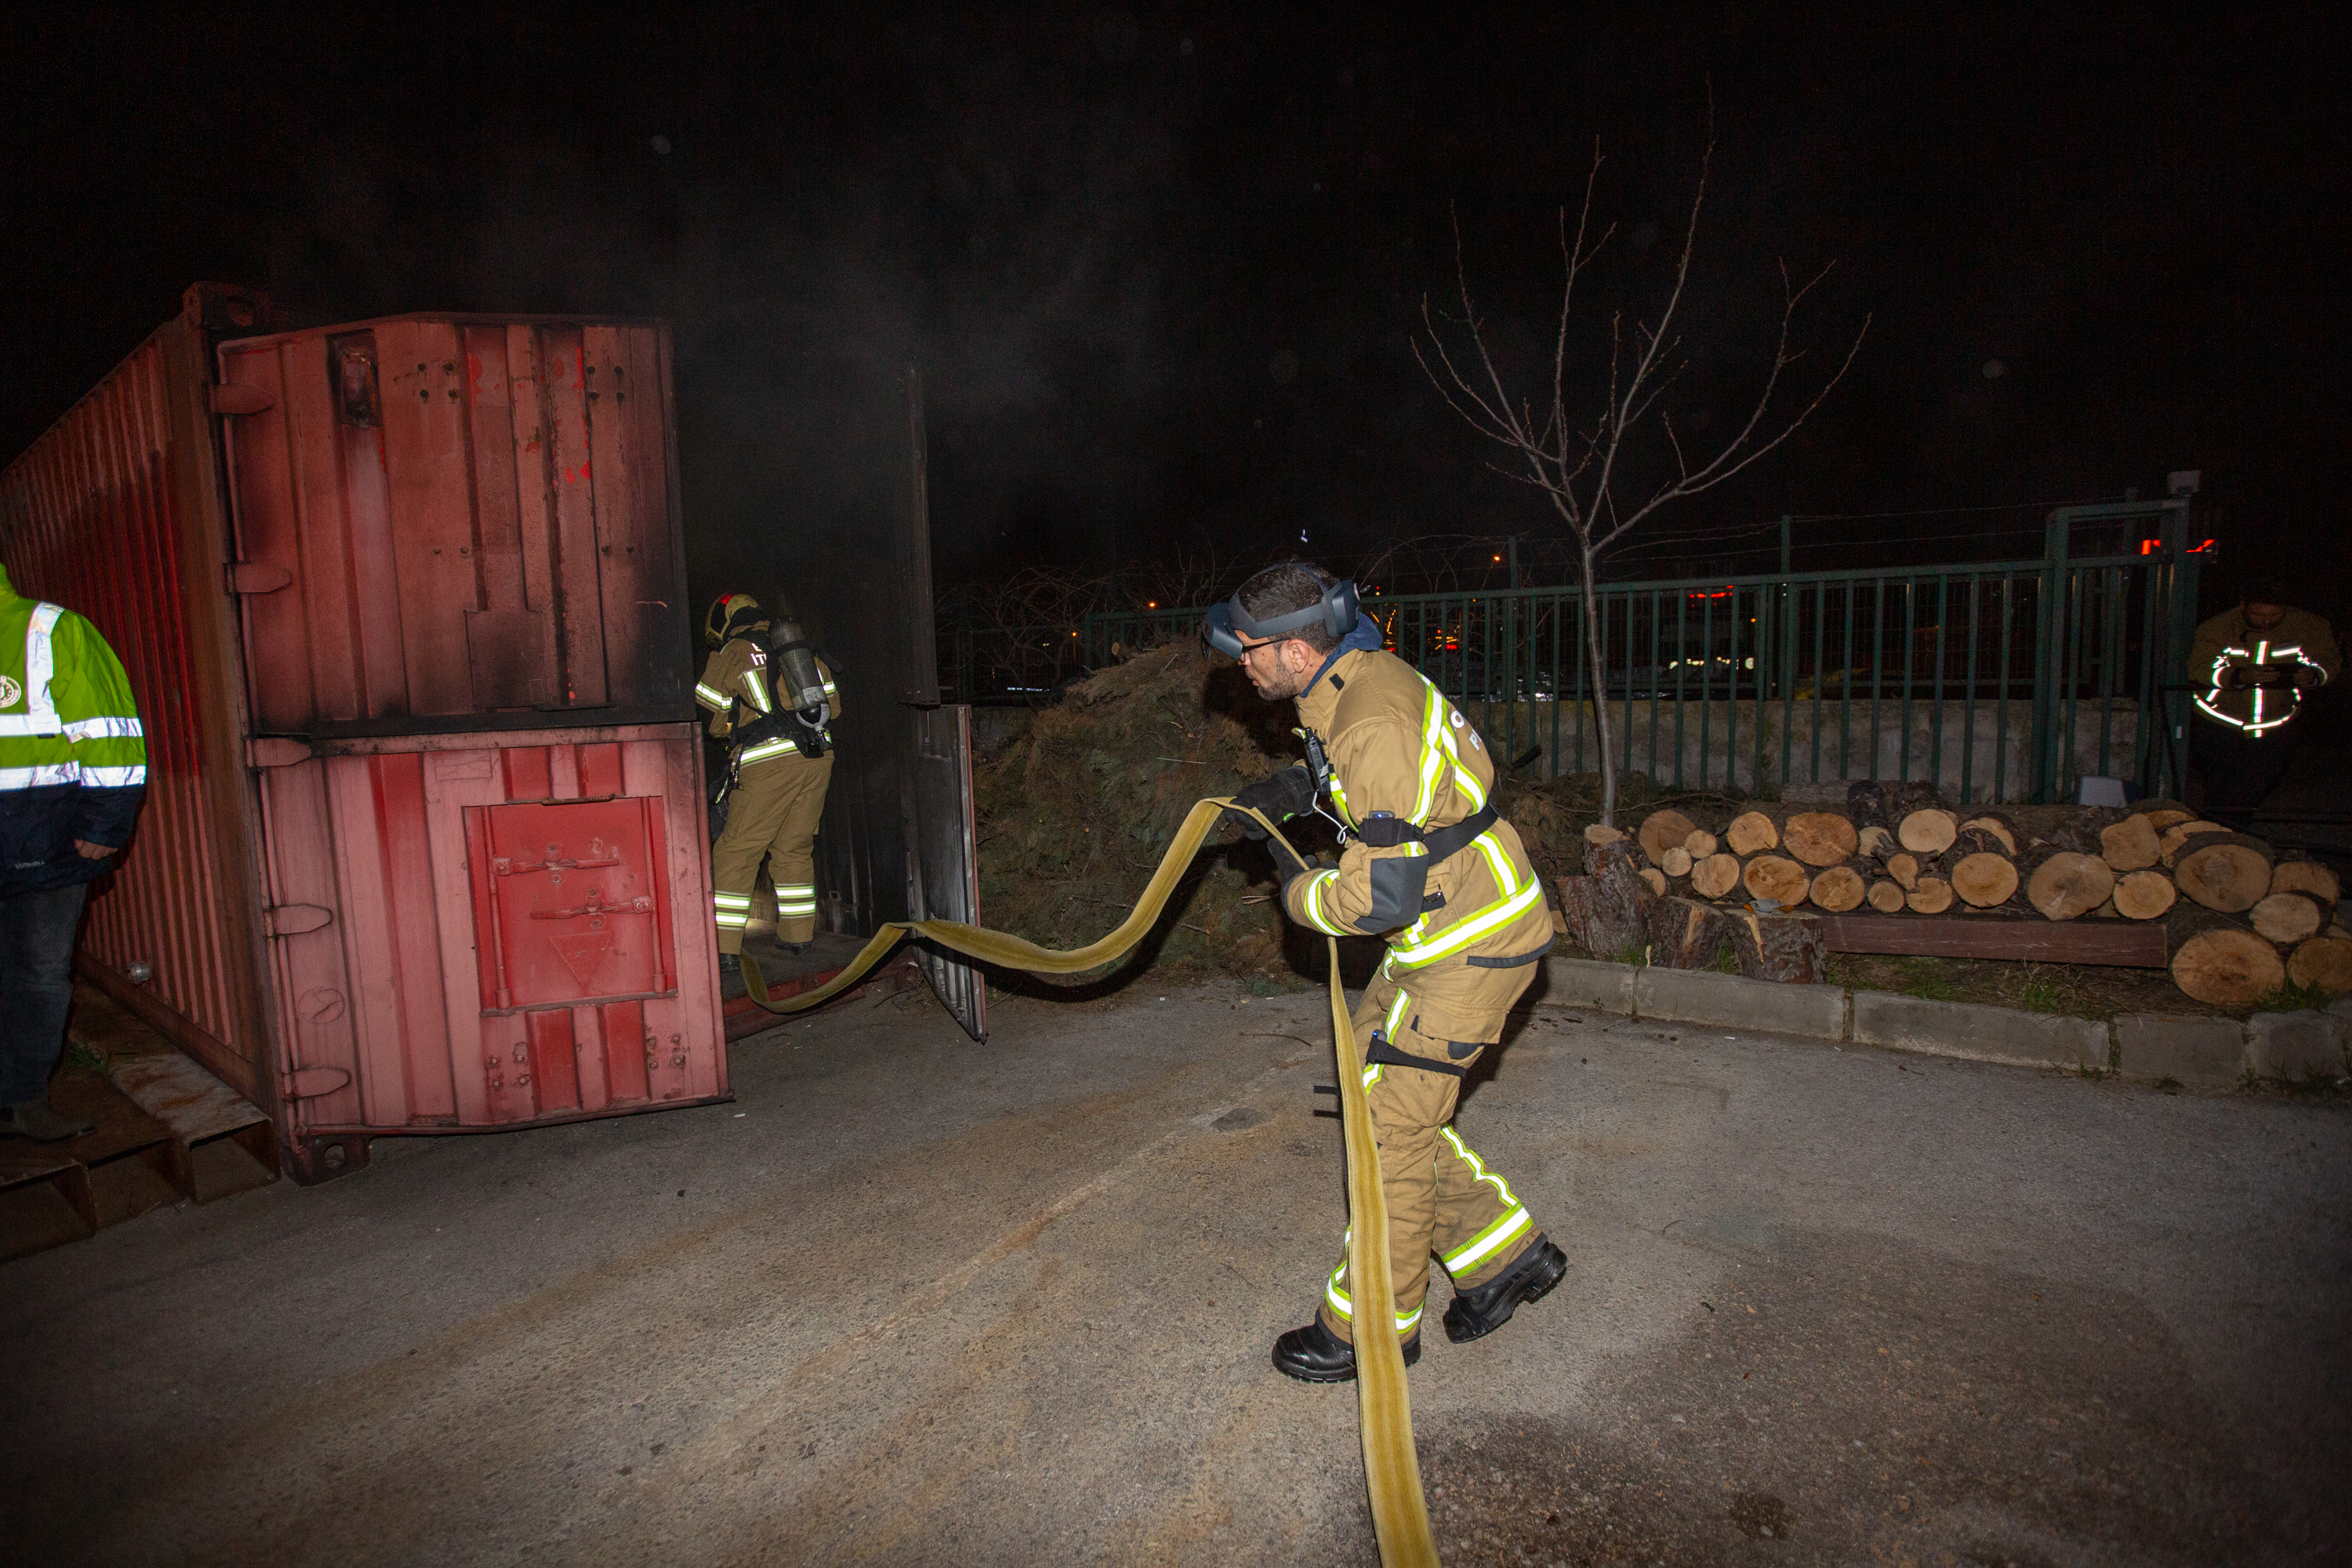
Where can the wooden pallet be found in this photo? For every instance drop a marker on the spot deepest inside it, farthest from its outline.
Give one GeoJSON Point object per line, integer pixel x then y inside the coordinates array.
{"type": "Point", "coordinates": [2129, 944]}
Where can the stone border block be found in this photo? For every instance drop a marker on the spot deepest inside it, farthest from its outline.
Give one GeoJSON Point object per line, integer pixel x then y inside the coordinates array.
{"type": "Point", "coordinates": [2294, 1047]}
{"type": "Point", "coordinates": [1704, 997]}
{"type": "Point", "coordinates": [1977, 1032]}
{"type": "Point", "coordinates": [2209, 1052]}
{"type": "Point", "coordinates": [1587, 982]}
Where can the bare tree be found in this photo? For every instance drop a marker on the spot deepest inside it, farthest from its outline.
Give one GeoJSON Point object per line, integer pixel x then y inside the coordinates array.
{"type": "Point", "coordinates": [1600, 478]}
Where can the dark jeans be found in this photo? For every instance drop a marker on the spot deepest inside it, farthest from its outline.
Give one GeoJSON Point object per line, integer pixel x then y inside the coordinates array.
{"type": "Point", "coordinates": [2240, 769]}
{"type": "Point", "coordinates": [36, 944]}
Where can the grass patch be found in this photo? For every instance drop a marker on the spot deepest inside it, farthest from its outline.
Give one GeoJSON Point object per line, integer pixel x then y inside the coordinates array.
{"type": "Point", "coordinates": [80, 1058]}
{"type": "Point", "coordinates": [2292, 998]}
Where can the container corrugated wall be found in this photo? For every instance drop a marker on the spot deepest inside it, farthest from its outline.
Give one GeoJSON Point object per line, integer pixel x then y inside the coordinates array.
{"type": "Point", "coordinates": [115, 513]}
{"type": "Point", "coordinates": [422, 849]}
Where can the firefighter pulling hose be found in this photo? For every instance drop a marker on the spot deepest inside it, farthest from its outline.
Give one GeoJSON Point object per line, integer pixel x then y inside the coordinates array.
{"type": "Point", "coordinates": [1426, 864]}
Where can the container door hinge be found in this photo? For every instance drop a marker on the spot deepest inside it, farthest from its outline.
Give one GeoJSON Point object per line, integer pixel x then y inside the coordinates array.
{"type": "Point", "coordinates": [275, 752]}
{"type": "Point", "coordinates": [309, 1083]}
{"type": "Point", "coordinates": [293, 920]}
{"type": "Point", "coordinates": [236, 398]}
{"type": "Point", "coordinates": [257, 577]}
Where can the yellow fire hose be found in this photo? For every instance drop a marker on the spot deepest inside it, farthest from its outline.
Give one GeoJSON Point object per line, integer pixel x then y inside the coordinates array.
{"type": "Point", "coordinates": [1391, 1471]}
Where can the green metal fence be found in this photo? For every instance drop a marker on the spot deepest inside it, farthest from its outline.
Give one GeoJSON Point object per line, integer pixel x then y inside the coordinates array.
{"type": "Point", "coordinates": [1998, 679]}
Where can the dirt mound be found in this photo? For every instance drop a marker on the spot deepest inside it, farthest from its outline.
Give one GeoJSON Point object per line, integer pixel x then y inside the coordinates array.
{"type": "Point", "coordinates": [1075, 813]}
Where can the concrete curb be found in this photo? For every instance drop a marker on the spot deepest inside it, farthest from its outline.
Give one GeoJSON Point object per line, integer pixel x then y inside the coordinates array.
{"type": "Point", "coordinates": [2208, 1053]}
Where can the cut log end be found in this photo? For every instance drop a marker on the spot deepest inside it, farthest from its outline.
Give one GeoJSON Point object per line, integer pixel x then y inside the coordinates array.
{"type": "Point", "coordinates": [1655, 879]}
{"type": "Point", "coordinates": [1904, 866]}
{"type": "Point", "coordinates": [1675, 861]}
{"type": "Point", "coordinates": [1874, 841]}
{"type": "Point", "coordinates": [2224, 870]}
{"type": "Point", "coordinates": [2323, 962]}
{"type": "Point", "coordinates": [1933, 896]}
{"type": "Point", "coordinates": [2288, 918]}
{"type": "Point", "coordinates": [1664, 830]}
{"type": "Point", "coordinates": [1929, 832]}
{"type": "Point", "coordinates": [1701, 843]}
{"type": "Point", "coordinates": [1715, 875]}
{"type": "Point", "coordinates": [1985, 879]}
{"type": "Point", "coordinates": [1887, 898]}
{"type": "Point", "coordinates": [1820, 839]}
{"type": "Point", "coordinates": [1777, 878]}
{"type": "Point", "coordinates": [1838, 888]}
{"type": "Point", "coordinates": [2306, 876]}
{"type": "Point", "coordinates": [2069, 884]}
{"type": "Point", "coordinates": [2143, 895]}
{"type": "Point", "coordinates": [1599, 833]}
{"type": "Point", "coordinates": [1751, 833]}
{"type": "Point", "coordinates": [2130, 844]}
{"type": "Point", "coordinates": [2228, 968]}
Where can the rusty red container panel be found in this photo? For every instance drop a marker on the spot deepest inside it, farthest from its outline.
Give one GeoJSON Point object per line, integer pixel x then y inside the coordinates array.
{"type": "Point", "coordinates": [408, 863]}
{"type": "Point", "coordinates": [481, 929]}
{"type": "Point", "coordinates": [114, 512]}
{"type": "Point", "coordinates": [455, 522]}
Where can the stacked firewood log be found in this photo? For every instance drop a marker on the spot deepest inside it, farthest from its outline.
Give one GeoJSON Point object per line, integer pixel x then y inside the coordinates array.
{"type": "Point", "coordinates": [2240, 920]}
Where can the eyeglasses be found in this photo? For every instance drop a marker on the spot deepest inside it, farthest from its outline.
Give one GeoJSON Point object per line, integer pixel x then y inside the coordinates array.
{"type": "Point", "coordinates": [1250, 647]}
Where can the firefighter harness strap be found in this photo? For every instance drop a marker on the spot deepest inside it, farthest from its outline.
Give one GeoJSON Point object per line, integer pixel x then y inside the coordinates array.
{"type": "Point", "coordinates": [1391, 1472]}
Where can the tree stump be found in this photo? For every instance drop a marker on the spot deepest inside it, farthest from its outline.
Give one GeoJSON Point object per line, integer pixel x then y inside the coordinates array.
{"type": "Point", "coordinates": [2288, 918]}
{"type": "Point", "coordinates": [2130, 844]}
{"type": "Point", "coordinates": [2069, 883]}
{"type": "Point", "coordinates": [2227, 966]}
{"type": "Point", "coordinates": [1777, 878]}
{"type": "Point", "coordinates": [1701, 843]}
{"type": "Point", "coordinates": [1887, 898]}
{"type": "Point", "coordinates": [1601, 833]}
{"type": "Point", "coordinates": [1608, 909]}
{"type": "Point", "coordinates": [2143, 895]}
{"type": "Point", "coordinates": [1788, 947]}
{"type": "Point", "coordinates": [1751, 833]}
{"type": "Point", "coordinates": [1904, 866]}
{"type": "Point", "coordinates": [2322, 961]}
{"type": "Point", "coordinates": [1933, 896]}
{"type": "Point", "coordinates": [1686, 935]}
{"type": "Point", "coordinates": [1664, 830]}
{"type": "Point", "coordinates": [1985, 878]}
{"type": "Point", "coordinates": [1820, 839]}
{"type": "Point", "coordinates": [1838, 888]}
{"type": "Point", "coordinates": [2306, 876]}
{"type": "Point", "coordinates": [2223, 870]}
{"type": "Point", "coordinates": [1929, 832]}
{"type": "Point", "coordinates": [1715, 875]}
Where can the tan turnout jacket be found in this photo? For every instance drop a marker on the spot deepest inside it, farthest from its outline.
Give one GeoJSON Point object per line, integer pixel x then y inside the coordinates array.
{"type": "Point", "coordinates": [735, 690]}
{"type": "Point", "coordinates": [1459, 931]}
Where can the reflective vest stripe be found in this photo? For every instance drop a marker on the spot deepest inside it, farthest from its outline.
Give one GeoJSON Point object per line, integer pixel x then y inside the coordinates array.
{"type": "Point", "coordinates": [48, 774]}
{"type": "Point", "coordinates": [40, 714]}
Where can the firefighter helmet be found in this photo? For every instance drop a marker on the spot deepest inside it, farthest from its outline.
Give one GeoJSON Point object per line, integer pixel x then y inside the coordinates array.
{"type": "Point", "coordinates": [730, 614]}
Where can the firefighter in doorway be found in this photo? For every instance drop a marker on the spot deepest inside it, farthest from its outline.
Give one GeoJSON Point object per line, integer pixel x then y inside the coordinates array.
{"type": "Point", "coordinates": [774, 700]}
{"type": "Point", "coordinates": [1427, 864]}
{"type": "Point", "coordinates": [2252, 667]}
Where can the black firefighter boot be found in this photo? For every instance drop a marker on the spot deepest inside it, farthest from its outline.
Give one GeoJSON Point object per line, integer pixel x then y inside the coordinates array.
{"type": "Point", "coordinates": [1474, 1314]}
{"type": "Point", "coordinates": [1316, 1354]}
{"type": "Point", "coordinates": [37, 1120]}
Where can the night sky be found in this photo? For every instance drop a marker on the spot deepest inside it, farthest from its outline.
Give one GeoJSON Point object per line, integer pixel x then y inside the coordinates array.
{"type": "Point", "coordinates": [1160, 264]}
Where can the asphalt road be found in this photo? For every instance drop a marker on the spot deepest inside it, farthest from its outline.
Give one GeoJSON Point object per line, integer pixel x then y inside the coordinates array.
{"type": "Point", "coordinates": [911, 1300]}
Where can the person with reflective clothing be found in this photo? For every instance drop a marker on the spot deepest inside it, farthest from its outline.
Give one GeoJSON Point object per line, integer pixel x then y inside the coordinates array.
{"type": "Point", "coordinates": [2250, 671]}
{"type": "Point", "coordinates": [783, 762]}
{"type": "Point", "coordinates": [1428, 865]}
{"type": "Point", "coordinates": [73, 769]}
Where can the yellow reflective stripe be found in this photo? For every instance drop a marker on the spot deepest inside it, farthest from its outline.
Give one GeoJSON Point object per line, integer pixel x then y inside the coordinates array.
{"type": "Point", "coordinates": [1478, 1172]}
{"type": "Point", "coordinates": [1433, 753]}
{"type": "Point", "coordinates": [1498, 861]}
{"type": "Point", "coordinates": [1311, 900]}
{"type": "Point", "coordinates": [1456, 937]}
{"type": "Point", "coordinates": [764, 750]}
{"type": "Point", "coordinates": [1465, 1259]}
{"type": "Point", "coordinates": [710, 696]}
{"type": "Point", "coordinates": [1337, 1295]}
{"type": "Point", "coordinates": [1396, 1013]}
{"type": "Point", "coordinates": [730, 900]}
{"type": "Point", "coordinates": [757, 688]}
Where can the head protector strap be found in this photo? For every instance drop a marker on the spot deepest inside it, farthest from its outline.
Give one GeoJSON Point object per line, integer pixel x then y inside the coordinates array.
{"type": "Point", "coordinates": [1227, 622]}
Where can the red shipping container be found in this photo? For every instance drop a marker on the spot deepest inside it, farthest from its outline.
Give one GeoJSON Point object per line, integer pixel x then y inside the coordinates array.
{"type": "Point", "coordinates": [422, 849]}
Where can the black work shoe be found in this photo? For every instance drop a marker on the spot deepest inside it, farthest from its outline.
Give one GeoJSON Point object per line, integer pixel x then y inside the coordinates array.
{"type": "Point", "coordinates": [1472, 1314]}
{"type": "Point", "coordinates": [1316, 1354]}
{"type": "Point", "coordinates": [796, 948]}
{"type": "Point", "coordinates": [35, 1120]}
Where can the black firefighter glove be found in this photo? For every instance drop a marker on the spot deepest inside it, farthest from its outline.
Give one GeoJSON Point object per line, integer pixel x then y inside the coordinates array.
{"type": "Point", "coordinates": [2307, 676]}
{"type": "Point", "coordinates": [1283, 795]}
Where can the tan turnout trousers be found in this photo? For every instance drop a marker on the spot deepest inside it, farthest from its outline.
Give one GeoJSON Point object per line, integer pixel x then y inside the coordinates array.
{"type": "Point", "coordinates": [772, 816]}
